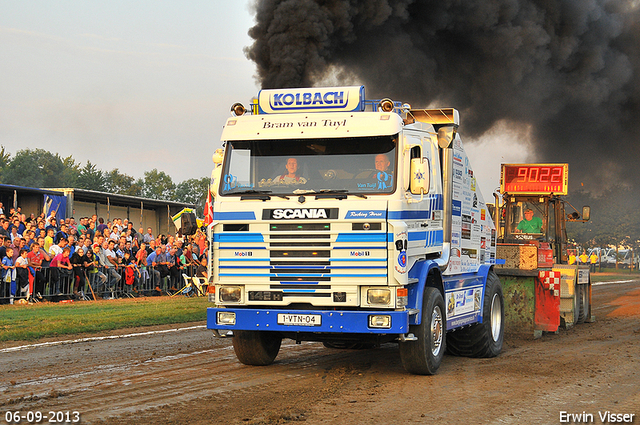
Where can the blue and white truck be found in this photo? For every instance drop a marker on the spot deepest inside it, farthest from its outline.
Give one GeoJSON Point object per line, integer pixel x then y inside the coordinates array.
{"type": "Point", "coordinates": [351, 222]}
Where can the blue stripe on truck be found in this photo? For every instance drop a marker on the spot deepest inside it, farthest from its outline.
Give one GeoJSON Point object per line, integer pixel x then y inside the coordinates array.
{"type": "Point", "coordinates": [241, 237]}
{"type": "Point", "coordinates": [236, 216]}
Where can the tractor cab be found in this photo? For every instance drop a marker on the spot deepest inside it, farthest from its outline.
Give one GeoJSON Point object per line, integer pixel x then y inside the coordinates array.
{"type": "Point", "coordinates": [532, 209]}
{"type": "Point", "coordinates": [539, 220]}
{"type": "Point", "coordinates": [543, 290]}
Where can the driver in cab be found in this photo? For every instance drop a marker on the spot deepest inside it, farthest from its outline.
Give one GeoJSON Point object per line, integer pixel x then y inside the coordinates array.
{"type": "Point", "coordinates": [292, 175]}
{"type": "Point", "coordinates": [530, 223]}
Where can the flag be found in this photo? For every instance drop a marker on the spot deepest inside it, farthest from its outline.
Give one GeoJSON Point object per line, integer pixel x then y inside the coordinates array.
{"type": "Point", "coordinates": [208, 210]}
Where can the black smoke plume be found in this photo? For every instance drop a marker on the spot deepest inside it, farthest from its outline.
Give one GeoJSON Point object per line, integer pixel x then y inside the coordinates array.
{"type": "Point", "coordinates": [566, 70]}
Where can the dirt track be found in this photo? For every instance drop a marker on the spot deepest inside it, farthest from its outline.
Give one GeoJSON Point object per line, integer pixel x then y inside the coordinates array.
{"type": "Point", "coordinates": [188, 376]}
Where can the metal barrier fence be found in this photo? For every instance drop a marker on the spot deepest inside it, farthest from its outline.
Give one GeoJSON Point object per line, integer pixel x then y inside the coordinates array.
{"type": "Point", "coordinates": [57, 284]}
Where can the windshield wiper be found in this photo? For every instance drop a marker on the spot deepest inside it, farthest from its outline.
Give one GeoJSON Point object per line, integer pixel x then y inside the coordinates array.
{"type": "Point", "coordinates": [331, 193]}
{"type": "Point", "coordinates": [254, 194]}
{"type": "Point", "coordinates": [258, 194]}
{"type": "Point", "coordinates": [336, 193]}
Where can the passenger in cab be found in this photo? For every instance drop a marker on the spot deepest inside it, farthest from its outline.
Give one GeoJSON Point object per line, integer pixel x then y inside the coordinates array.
{"type": "Point", "coordinates": [384, 172]}
{"type": "Point", "coordinates": [383, 163]}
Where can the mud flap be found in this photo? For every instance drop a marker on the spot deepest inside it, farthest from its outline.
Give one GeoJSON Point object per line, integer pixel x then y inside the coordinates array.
{"type": "Point", "coordinates": [519, 301]}
{"type": "Point", "coordinates": [531, 301]}
{"type": "Point", "coordinates": [547, 301]}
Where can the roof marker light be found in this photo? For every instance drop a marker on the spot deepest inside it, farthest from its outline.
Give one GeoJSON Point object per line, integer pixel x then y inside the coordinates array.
{"type": "Point", "coordinates": [237, 109]}
{"type": "Point", "coordinates": [386, 105]}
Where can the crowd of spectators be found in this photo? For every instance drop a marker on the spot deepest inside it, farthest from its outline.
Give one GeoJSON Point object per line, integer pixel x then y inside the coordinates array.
{"type": "Point", "coordinates": [51, 258]}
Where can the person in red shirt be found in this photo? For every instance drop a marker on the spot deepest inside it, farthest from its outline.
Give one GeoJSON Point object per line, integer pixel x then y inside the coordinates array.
{"type": "Point", "coordinates": [141, 257]}
{"type": "Point", "coordinates": [35, 258]}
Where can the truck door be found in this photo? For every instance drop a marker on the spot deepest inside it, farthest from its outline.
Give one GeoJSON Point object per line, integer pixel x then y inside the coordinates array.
{"type": "Point", "coordinates": [424, 217]}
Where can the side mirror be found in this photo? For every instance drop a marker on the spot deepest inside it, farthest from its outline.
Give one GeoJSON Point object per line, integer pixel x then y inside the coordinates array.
{"type": "Point", "coordinates": [420, 176]}
{"type": "Point", "coordinates": [586, 213]}
{"type": "Point", "coordinates": [445, 136]}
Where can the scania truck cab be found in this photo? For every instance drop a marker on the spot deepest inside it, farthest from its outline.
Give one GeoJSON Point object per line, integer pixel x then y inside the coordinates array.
{"type": "Point", "coordinates": [351, 222]}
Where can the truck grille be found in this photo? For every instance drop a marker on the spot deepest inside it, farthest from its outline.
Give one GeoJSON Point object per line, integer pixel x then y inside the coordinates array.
{"type": "Point", "coordinates": [303, 260]}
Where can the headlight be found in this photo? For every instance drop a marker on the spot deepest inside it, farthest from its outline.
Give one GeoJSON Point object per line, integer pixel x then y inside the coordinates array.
{"type": "Point", "coordinates": [226, 318]}
{"type": "Point", "coordinates": [382, 321]}
{"type": "Point", "coordinates": [379, 296]}
{"type": "Point", "coordinates": [230, 294]}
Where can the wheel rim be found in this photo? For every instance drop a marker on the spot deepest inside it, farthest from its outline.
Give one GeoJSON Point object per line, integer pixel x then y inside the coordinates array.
{"type": "Point", "coordinates": [436, 331]}
{"type": "Point", "coordinates": [496, 317]}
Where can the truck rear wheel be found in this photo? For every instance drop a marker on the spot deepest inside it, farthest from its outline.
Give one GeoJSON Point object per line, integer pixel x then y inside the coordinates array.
{"type": "Point", "coordinates": [256, 348]}
{"type": "Point", "coordinates": [482, 339]}
{"type": "Point", "coordinates": [584, 303]}
{"type": "Point", "coordinates": [423, 357]}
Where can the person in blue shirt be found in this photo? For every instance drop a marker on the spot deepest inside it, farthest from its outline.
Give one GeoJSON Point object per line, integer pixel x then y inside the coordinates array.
{"type": "Point", "coordinates": [9, 274]}
{"type": "Point", "coordinates": [153, 269]}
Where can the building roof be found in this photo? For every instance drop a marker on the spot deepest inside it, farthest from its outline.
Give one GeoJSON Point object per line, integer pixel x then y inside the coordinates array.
{"type": "Point", "coordinates": [84, 195]}
{"type": "Point", "coordinates": [7, 187]}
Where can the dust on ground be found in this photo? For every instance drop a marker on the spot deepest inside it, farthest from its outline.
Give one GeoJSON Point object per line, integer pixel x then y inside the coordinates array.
{"type": "Point", "coordinates": [190, 377]}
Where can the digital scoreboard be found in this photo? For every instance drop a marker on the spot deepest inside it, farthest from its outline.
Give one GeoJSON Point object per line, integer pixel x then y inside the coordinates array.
{"type": "Point", "coordinates": [535, 179]}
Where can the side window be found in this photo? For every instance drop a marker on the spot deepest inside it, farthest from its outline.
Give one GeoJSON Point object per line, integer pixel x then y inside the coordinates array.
{"type": "Point", "coordinates": [413, 140]}
{"type": "Point", "coordinates": [416, 152]}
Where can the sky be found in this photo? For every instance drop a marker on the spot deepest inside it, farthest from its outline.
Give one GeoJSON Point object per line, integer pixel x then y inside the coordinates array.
{"type": "Point", "coordinates": [138, 85]}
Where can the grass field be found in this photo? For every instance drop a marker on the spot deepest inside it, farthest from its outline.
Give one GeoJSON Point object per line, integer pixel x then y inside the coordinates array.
{"type": "Point", "coordinates": [31, 322]}
{"type": "Point", "coordinates": [607, 275]}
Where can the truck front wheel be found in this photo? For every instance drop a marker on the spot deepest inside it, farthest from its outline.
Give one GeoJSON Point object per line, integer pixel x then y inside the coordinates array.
{"type": "Point", "coordinates": [423, 356]}
{"type": "Point", "coordinates": [483, 339]}
{"type": "Point", "coordinates": [256, 348]}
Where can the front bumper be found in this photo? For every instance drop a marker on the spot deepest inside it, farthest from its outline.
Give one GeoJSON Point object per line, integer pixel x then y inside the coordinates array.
{"type": "Point", "coordinates": [334, 321]}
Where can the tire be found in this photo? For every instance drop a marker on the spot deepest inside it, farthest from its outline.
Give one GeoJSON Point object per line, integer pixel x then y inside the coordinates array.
{"type": "Point", "coordinates": [482, 339]}
{"type": "Point", "coordinates": [576, 302]}
{"type": "Point", "coordinates": [256, 348]}
{"type": "Point", "coordinates": [584, 303]}
{"type": "Point", "coordinates": [423, 357]}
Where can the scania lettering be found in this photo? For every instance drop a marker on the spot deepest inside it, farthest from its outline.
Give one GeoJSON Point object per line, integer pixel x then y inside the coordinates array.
{"type": "Point", "coordinates": [333, 222]}
{"type": "Point", "coordinates": [298, 213]}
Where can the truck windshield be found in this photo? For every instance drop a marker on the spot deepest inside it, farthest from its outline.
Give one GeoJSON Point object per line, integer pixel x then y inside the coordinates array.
{"type": "Point", "coordinates": [359, 165]}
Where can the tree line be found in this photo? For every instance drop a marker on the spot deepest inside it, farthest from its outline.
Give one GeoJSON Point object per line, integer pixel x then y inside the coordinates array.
{"type": "Point", "coordinates": [615, 218]}
{"type": "Point", "coordinates": [615, 214]}
{"type": "Point", "coordinates": [42, 169]}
